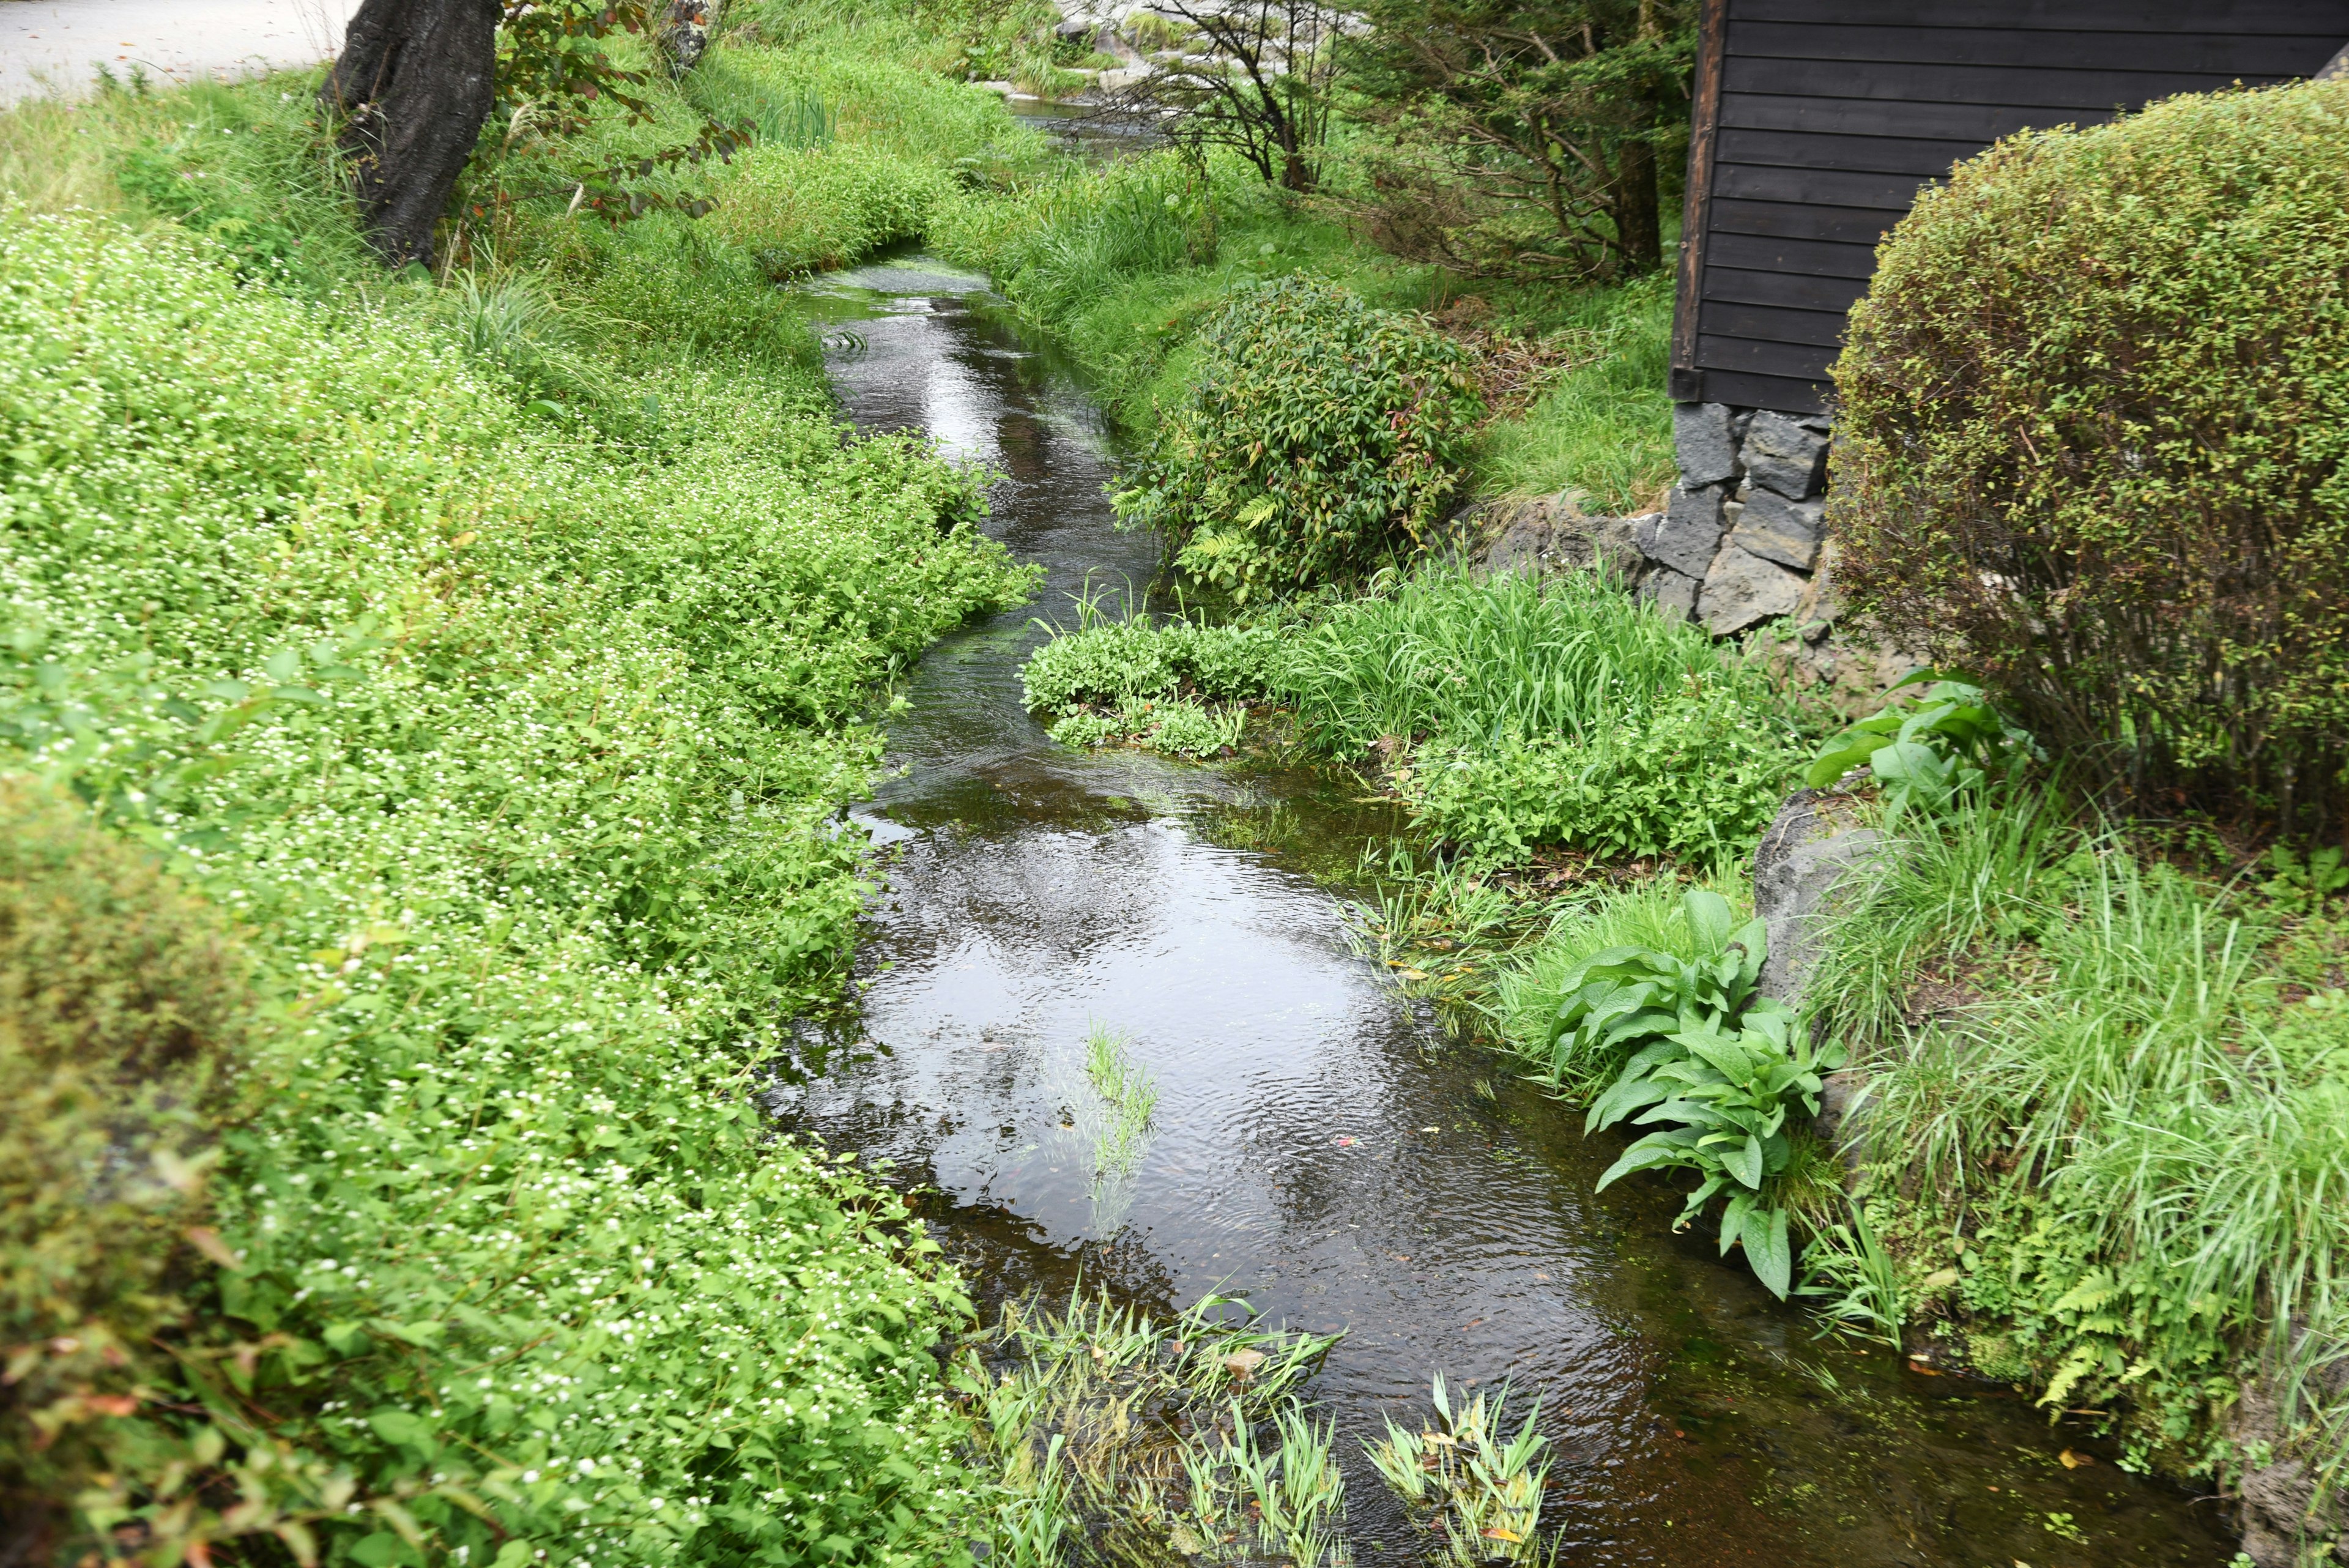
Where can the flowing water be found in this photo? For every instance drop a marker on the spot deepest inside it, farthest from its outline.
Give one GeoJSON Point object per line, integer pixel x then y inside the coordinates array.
{"type": "Point", "coordinates": [1320, 1146]}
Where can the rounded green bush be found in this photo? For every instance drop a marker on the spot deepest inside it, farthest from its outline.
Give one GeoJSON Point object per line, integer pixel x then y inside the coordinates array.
{"type": "Point", "coordinates": [1317, 437]}
{"type": "Point", "coordinates": [2095, 414]}
{"type": "Point", "coordinates": [125, 1012]}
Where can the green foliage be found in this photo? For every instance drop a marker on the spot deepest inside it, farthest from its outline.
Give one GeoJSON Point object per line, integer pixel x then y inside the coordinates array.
{"type": "Point", "coordinates": [1927, 756]}
{"type": "Point", "coordinates": [513, 749]}
{"type": "Point", "coordinates": [1145, 1436]}
{"type": "Point", "coordinates": [127, 1019]}
{"type": "Point", "coordinates": [1605, 427]}
{"type": "Point", "coordinates": [1520, 138]}
{"type": "Point", "coordinates": [1317, 437]}
{"type": "Point", "coordinates": [1700, 1050]}
{"type": "Point", "coordinates": [2138, 1111]}
{"type": "Point", "coordinates": [1549, 711]}
{"type": "Point", "coordinates": [1462, 1481]}
{"type": "Point", "coordinates": [1160, 685]}
{"type": "Point", "coordinates": [2093, 421]}
{"type": "Point", "coordinates": [801, 210]}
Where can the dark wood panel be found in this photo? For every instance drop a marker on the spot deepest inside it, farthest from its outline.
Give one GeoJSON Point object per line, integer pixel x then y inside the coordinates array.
{"type": "Point", "coordinates": [1794, 290]}
{"type": "Point", "coordinates": [1793, 394]}
{"type": "Point", "coordinates": [1828, 187]}
{"type": "Point", "coordinates": [1979, 123]}
{"type": "Point", "coordinates": [1764, 254]}
{"type": "Point", "coordinates": [1798, 220]}
{"type": "Point", "coordinates": [1962, 84]}
{"type": "Point", "coordinates": [1868, 154]}
{"type": "Point", "coordinates": [2231, 54]}
{"type": "Point", "coordinates": [2272, 16]}
{"type": "Point", "coordinates": [1725, 319]}
{"type": "Point", "coordinates": [1796, 359]}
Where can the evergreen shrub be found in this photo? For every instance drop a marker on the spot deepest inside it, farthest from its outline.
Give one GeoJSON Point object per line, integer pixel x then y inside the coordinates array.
{"type": "Point", "coordinates": [124, 1012]}
{"type": "Point", "coordinates": [1317, 437]}
{"type": "Point", "coordinates": [2095, 418]}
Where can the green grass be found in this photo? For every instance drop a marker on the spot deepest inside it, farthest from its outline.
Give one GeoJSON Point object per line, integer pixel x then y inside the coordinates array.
{"type": "Point", "coordinates": [2121, 1137]}
{"type": "Point", "coordinates": [1604, 429]}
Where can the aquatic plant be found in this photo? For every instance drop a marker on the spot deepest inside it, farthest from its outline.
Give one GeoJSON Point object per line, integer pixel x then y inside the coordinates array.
{"type": "Point", "coordinates": [1130, 1094]}
{"type": "Point", "coordinates": [1137, 1435]}
{"type": "Point", "coordinates": [1461, 1482]}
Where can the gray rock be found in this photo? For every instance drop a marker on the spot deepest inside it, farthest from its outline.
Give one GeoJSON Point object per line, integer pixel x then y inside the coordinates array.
{"type": "Point", "coordinates": [1706, 443]}
{"type": "Point", "coordinates": [1823, 424]}
{"type": "Point", "coordinates": [1685, 537]}
{"type": "Point", "coordinates": [1674, 593]}
{"type": "Point", "coordinates": [1781, 455]}
{"type": "Point", "coordinates": [1780, 530]}
{"type": "Point", "coordinates": [1802, 861]}
{"type": "Point", "coordinates": [682, 33]}
{"type": "Point", "coordinates": [1742, 589]}
{"type": "Point", "coordinates": [1551, 534]}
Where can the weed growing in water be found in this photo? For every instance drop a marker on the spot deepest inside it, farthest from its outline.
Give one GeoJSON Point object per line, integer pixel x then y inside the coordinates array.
{"type": "Point", "coordinates": [1130, 1095]}
{"type": "Point", "coordinates": [1124, 1438]}
{"type": "Point", "coordinates": [1459, 1478]}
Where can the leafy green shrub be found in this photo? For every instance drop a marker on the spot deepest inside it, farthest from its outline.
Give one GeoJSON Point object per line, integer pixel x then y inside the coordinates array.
{"type": "Point", "coordinates": [1317, 437]}
{"type": "Point", "coordinates": [1948, 743]}
{"type": "Point", "coordinates": [516, 754]}
{"type": "Point", "coordinates": [125, 1017]}
{"type": "Point", "coordinates": [2093, 438]}
{"type": "Point", "coordinates": [1549, 711]}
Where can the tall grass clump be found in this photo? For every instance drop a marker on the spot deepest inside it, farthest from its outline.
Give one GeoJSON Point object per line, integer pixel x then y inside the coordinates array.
{"type": "Point", "coordinates": [1528, 711]}
{"type": "Point", "coordinates": [505, 749]}
{"type": "Point", "coordinates": [2121, 1141]}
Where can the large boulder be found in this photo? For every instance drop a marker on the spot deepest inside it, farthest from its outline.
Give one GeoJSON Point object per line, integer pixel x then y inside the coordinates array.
{"type": "Point", "coordinates": [1816, 842]}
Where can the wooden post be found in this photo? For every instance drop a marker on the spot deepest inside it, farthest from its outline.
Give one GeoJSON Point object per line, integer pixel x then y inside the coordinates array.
{"type": "Point", "coordinates": [1712, 26]}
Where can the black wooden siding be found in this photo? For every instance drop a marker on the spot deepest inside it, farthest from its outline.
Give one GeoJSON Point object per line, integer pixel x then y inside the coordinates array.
{"type": "Point", "coordinates": [1818, 121]}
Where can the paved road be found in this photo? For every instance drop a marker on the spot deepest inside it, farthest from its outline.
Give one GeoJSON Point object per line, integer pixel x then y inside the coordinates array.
{"type": "Point", "coordinates": [57, 44]}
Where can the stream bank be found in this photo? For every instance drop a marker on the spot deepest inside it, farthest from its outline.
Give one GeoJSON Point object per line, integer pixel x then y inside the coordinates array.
{"type": "Point", "coordinates": [1321, 1147]}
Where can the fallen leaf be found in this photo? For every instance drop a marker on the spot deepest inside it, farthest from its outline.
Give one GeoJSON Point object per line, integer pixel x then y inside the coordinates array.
{"type": "Point", "coordinates": [207, 1242]}
{"type": "Point", "coordinates": [112, 1404]}
{"type": "Point", "coordinates": [1494, 1532]}
{"type": "Point", "coordinates": [2073, 1461]}
{"type": "Point", "coordinates": [1343, 1142]}
{"type": "Point", "coordinates": [1414, 974]}
{"type": "Point", "coordinates": [1240, 1363]}
{"type": "Point", "coordinates": [1431, 1129]}
{"type": "Point", "coordinates": [1940, 1278]}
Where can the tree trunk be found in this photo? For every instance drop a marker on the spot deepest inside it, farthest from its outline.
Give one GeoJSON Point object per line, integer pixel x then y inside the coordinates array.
{"type": "Point", "coordinates": [414, 82]}
{"type": "Point", "coordinates": [1638, 228]}
{"type": "Point", "coordinates": [683, 36]}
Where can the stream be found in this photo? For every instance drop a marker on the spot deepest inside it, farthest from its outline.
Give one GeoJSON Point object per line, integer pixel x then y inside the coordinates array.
{"type": "Point", "coordinates": [1320, 1146]}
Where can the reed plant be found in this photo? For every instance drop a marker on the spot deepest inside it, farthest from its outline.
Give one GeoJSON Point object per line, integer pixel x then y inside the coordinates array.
{"type": "Point", "coordinates": [2119, 1124]}
{"type": "Point", "coordinates": [1473, 1492]}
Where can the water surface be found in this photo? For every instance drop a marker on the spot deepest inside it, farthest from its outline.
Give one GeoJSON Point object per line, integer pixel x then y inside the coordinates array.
{"type": "Point", "coordinates": [1320, 1146]}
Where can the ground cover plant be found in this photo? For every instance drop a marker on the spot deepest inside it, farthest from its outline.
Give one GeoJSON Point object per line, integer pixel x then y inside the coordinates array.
{"type": "Point", "coordinates": [1524, 710]}
{"type": "Point", "coordinates": [2110, 1160]}
{"type": "Point", "coordinates": [491, 663]}
{"type": "Point", "coordinates": [2115, 501]}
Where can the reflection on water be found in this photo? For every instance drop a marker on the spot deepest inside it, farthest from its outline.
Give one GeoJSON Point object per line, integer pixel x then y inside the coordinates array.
{"type": "Point", "coordinates": [1318, 1144]}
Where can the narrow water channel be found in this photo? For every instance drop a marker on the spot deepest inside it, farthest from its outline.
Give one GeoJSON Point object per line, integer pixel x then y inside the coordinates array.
{"type": "Point", "coordinates": [1320, 1146]}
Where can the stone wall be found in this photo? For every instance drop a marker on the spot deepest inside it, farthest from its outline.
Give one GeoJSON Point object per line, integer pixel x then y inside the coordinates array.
{"type": "Point", "coordinates": [1740, 541]}
{"type": "Point", "coordinates": [1740, 547]}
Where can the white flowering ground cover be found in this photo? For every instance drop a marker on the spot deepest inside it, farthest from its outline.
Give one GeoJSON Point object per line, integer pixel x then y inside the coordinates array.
{"type": "Point", "coordinates": [513, 748]}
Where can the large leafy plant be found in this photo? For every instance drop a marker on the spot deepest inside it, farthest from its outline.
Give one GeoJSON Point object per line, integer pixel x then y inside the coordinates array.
{"type": "Point", "coordinates": [1716, 1067]}
{"type": "Point", "coordinates": [1929, 754]}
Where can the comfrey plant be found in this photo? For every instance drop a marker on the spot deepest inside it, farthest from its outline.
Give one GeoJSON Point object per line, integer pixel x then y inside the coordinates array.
{"type": "Point", "coordinates": [1928, 755]}
{"type": "Point", "coordinates": [1715, 1067]}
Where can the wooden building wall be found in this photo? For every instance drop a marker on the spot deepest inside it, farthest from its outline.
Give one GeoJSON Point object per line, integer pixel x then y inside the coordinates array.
{"type": "Point", "coordinates": [1817, 121]}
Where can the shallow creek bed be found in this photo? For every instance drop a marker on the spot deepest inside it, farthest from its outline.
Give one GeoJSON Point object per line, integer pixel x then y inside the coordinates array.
{"type": "Point", "coordinates": [1318, 1145]}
